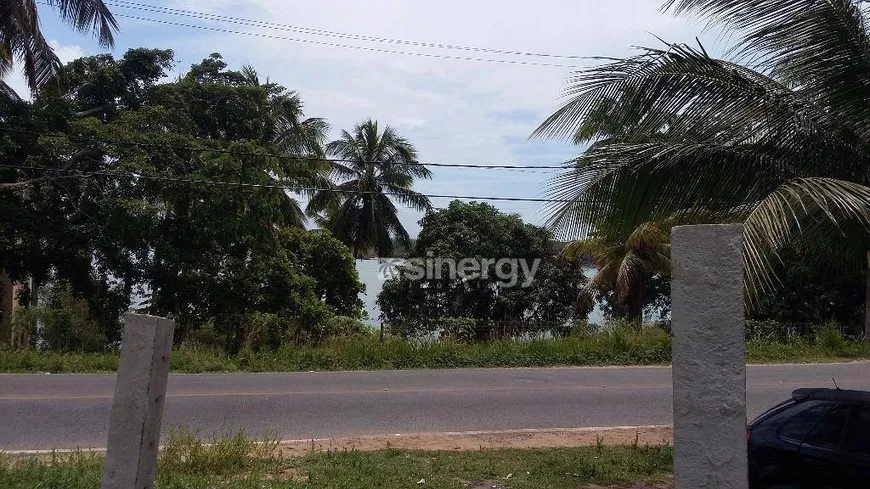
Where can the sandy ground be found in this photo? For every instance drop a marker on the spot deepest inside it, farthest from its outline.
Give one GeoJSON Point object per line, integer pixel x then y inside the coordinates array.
{"type": "Point", "coordinates": [479, 440]}
{"type": "Point", "coordinates": [644, 435]}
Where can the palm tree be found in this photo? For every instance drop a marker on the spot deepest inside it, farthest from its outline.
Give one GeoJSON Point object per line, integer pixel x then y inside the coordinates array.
{"type": "Point", "coordinates": [624, 266]}
{"type": "Point", "coordinates": [21, 38]}
{"type": "Point", "coordinates": [294, 135]}
{"type": "Point", "coordinates": [776, 138]}
{"type": "Point", "coordinates": [373, 169]}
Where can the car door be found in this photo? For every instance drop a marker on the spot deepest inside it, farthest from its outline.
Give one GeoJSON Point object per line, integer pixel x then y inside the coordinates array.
{"type": "Point", "coordinates": [777, 459]}
{"type": "Point", "coordinates": [856, 448]}
{"type": "Point", "coordinates": [821, 451]}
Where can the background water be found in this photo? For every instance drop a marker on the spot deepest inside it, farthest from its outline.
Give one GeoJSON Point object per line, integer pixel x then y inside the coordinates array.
{"type": "Point", "coordinates": [368, 274]}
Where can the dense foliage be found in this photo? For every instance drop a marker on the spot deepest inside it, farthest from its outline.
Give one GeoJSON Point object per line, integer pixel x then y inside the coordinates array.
{"type": "Point", "coordinates": [478, 230]}
{"type": "Point", "coordinates": [372, 167]}
{"type": "Point", "coordinates": [121, 186]}
{"type": "Point", "coordinates": [775, 138]}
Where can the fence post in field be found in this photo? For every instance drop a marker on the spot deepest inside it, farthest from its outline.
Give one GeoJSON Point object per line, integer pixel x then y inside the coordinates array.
{"type": "Point", "coordinates": [137, 409]}
{"type": "Point", "coordinates": [709, 357]}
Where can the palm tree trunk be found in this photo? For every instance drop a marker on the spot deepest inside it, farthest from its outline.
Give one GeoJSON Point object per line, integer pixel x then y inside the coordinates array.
{"type": "Point", "coordinates": [637, 303]}
{"type": "Point", "coordinates": [7, 301]}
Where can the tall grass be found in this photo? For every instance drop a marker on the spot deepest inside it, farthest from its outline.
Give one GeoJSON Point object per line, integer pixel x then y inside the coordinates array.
{"type": "Point", "coordinates": [615, 344]}
{"type": "Point", "coordinates": [238, 462]}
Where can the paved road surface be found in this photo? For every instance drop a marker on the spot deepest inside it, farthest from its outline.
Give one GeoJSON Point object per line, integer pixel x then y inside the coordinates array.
{"type": "Point", "coordinates": [69, 411]}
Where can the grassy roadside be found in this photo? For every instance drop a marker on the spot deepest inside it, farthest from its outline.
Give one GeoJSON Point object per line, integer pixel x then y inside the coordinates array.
{"type": "Point", "coordinates": [652, 347]}
{"type": "Point", "coordinates": [239, 463]}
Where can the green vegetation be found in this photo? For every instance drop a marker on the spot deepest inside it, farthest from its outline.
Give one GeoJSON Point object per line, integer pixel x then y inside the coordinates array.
{"type": "Point", "coordinates": [239, 463]}
{"type": "Point", "coordinates": [774, 137]}
{"type": "Point", "coordinates": [620, 345]}
{"type": "Point", "coordinates": [628, 271]}
{"type": "Point", "coordinates": [105, 196]}
{"type": "Point", "coordinates": [373, 168]}
{"type": "Point", "coordinates": [474, 305]}
{"type": "Point", "coordinates": [118, 184]}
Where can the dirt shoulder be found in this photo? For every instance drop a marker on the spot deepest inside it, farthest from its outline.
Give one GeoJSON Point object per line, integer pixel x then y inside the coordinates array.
{"type": "Point", "coordinates": [557, 438]}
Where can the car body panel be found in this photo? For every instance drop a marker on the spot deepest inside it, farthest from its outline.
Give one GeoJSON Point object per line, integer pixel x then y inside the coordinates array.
{"type": "Point", "coordinates": [816, 440]}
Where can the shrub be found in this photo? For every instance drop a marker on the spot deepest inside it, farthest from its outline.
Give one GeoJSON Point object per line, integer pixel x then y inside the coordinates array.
{"type": "Point", "coordinates": [460, 329]}
{"type": "Point", "coordinates": [344, 327]}
{"type": "Point", "coordinates": [24, 323]}
{"type": "Point", "coordinates": [65, 323]}
{"type": "Point", "coordinates": [205, 337]}
{"type": "Point", "coordinates": [184, 452]}
{"type": "Point", "coordinates": [264, 330]}
{"type": "Point", "coordinates": [830, 337]}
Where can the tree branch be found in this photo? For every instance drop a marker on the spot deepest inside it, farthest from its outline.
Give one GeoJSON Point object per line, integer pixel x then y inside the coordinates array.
{"type": "Point", "coordinates": [25, 183]}
{"type": "Point", "coordinates": [78, 155]}
{"type": "Point", "coordinates": [89, 112]}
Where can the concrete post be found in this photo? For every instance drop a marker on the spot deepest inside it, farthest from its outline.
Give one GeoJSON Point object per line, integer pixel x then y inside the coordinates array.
{"type": "Point", "coordinates": [134, 429]}
{"type": "Point", "coordinates": [709, 357]}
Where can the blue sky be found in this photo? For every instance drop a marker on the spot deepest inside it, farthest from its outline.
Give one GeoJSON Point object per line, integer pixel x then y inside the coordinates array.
{"type": "Point", "coordinates": [453, 111]}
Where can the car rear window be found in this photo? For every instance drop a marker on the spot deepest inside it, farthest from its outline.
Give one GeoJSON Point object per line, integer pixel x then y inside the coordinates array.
{"type": "Point", "coordinates": [828, 432]}
{"type": "Point", "coordinates": [774, 411]}
{"type": "Point", "coordinates": [858, 432]}
{"type": "Point", "coordinates": [799, 425]}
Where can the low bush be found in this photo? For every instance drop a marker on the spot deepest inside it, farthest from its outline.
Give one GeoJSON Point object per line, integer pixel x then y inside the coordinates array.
{"type": "Point", "coordinates": [614, 344]}
{"type": "Point", "coordinates": [63, 323]}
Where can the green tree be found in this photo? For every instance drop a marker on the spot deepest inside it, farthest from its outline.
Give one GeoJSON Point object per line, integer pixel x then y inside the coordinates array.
{"type": "Point", "coordinates": [479, 231]}
{"type": "Point", "coordinates": [375, 169]}
{"type": "Point", "coordinates": [132, 187]}
{"type": "Point", "coordinates": [625, 267]}
{"type": "Point", "coordinates": [776, 139]}
{"type": "Point", "coordinates": [21, 37]}
{"type": "Point", "coordinates": [299, 281]}
{"type": "Point", "coordinates": [56, 224]}
{"type": "Point", "coordinates": [810, 295]}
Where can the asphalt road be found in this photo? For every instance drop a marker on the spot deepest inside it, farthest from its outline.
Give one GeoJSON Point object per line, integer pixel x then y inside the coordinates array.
{"type": "Point", "coordinates": [72, 411]}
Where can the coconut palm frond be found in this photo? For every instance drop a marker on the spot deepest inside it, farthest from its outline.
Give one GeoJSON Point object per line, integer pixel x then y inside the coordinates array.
{"type": "Point", "coordinates": [621, 185]}
{"type": "Point", "coordinates": [377, 167]}
{"type": "Point", "coordinates": [821, 47]}
{"type": "Point", "coordinates": [7, 92]}
{"type": "Point", "coordinates": [679, 93]}
{"type": "Point", "coordinates": [88, 15]}
{"type": "Point", "coordinates": [818, 208]}
{"type": "Point", "coordinates": [21, 38]}
{"type": "Point", "coordinates": [680, 137]}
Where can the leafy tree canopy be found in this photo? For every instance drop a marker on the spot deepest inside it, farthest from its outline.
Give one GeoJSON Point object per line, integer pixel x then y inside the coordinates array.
{"type": "Point", "coordinates": [775, 138]}
{"type": "Point", "coordinates": [121, 196]}
{"type": "Point", "coordinates": [477, 231]}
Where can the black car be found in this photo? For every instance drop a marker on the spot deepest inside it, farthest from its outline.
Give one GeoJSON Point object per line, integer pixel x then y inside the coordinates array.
{"type": "Point", "coordinates": [818, 439]}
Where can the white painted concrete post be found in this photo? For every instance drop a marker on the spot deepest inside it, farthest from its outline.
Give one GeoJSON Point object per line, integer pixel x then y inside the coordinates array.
{"type": "Point", "coordinates": [134, 429]}
{"type": "Point", "coordinates": [709, 357]}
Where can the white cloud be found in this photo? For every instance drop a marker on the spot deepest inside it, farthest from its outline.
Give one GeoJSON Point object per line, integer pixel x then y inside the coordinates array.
{"type": "Point", "coordinates": [15, 80]}
{"type": "Point", "coordinates": [66, 53]}
{"type": "Point", "coordinates": [453, 111]}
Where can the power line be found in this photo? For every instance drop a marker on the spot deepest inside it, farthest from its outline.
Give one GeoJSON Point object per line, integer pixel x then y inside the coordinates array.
{"type": "Point", "coordinates": [346, 46]}
{"type": "Point", "coordinates": [297, 189]}
{"type": "Point", "coordinates": [195, 149]}
{"type": "Point", "coordinates": [323, 32]}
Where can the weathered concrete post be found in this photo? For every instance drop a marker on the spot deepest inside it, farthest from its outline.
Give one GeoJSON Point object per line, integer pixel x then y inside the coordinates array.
{"type": "Point", "coordinates": [134, 428]}
{"type": "Point", "coordinates": [709, 357]}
